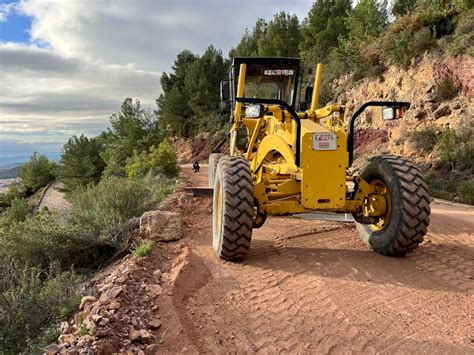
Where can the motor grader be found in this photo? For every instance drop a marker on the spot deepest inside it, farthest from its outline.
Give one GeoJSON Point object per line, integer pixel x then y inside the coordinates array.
{"type": "Point", "coordinates": [284, 162]}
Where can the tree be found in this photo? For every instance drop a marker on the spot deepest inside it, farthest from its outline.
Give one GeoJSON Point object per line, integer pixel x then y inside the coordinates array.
{"type": "Point", "coordinates": [81, 162]}
{"type": "Point", "coordinates": [133, 128]}
{"type": "Point", "coordinates": [278, 38]}
{"type": "Point", "coordinates": [202, 86]}
{"type": "Point", "coordinates": [366, 22]}
{"type": "Point", "coordinates": [174, 113]}
{"type": "Point", "coordinates": [402, 7]}
{"type": "Point", "coordinates": [281, 37]}
{"type": "Point", "coordinates": [38, 172]}
{"type": "Point", "coordinates": [321, 30]}
{"type": "Point", "coordinates": [248, 45]}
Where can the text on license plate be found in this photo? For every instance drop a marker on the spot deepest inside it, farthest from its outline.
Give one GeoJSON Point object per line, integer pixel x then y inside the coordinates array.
{"type": "Point", "coordinates": [324, 141]}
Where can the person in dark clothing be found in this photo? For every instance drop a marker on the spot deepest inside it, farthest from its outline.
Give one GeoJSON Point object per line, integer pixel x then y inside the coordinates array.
{"type": "Point", "coordinates": [196, 167]}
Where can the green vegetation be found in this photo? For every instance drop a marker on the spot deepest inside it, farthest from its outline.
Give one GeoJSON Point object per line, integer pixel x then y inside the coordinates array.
{"type": "Point", "coordinates": [143, 249]}
{"type": "Point", "coordinates": [37, 173]}
{"type": "Point", "coordinates": [113, 178]}
{"type": "Point", "coordinates": [43, 257]}
{"type": "Point", "coordinates": [445, 89]}
{"type": "Point", "coordinates": [423, 140]}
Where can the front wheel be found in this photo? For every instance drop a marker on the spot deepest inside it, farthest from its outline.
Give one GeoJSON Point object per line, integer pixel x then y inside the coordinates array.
{"type": "Point", "coordinates": [407, 215]}
{"type": "Point", "coordinates": [233, 210]}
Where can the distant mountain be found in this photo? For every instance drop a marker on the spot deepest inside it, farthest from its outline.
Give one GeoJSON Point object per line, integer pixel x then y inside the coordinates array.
{"type": "Point", "coordinates": [10, 171]}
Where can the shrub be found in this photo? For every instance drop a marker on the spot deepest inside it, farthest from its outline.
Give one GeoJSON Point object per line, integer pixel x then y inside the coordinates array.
{"type": "Point", "coordinates": [161, 160]}
{"type": "Point", "coordinates": [32, 301]}
{"type": "Point", "coordinates": [143, 249]}
{"type": "Point", "coordinates": [104, 210]}
{"type": "Point", "coordinates": [446, 89]}
{"type": "Point", "coordinates": [17, 212]}
{"type": "Point", "coordinates": [38, 172]}
{"type": "Point", "coordinates": [405, 39]}
{"type": "Point", "coordinates": [15, 191]}
{"type": "Point", "coordinates": [42, 239]}
{"type": "Point", "coordinates": [463, 39]}
{"type": "Point", "coordinates": [458, 149]}
{"type": "Point", "coordinates": [423, 140]}
{"type": "Point", "coordinates": [466, 191]}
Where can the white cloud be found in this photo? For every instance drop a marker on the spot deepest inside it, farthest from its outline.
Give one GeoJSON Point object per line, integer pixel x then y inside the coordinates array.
{"type": "Point", "coordinates": [86, 56]}
{"type": "Point", "coordinates": [6, 10]}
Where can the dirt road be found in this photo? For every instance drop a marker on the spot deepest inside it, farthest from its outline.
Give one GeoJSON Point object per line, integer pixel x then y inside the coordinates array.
{"type": "Point", "coordinates": [314, 287]}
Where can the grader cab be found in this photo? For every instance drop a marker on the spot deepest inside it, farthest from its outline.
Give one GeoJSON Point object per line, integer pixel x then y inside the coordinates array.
{"type": "Point", "coordinates": [284, 162]}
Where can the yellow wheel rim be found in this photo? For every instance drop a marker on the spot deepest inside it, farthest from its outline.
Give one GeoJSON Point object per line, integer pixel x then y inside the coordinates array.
{"type": "Point", "coordinates": [383, 191]}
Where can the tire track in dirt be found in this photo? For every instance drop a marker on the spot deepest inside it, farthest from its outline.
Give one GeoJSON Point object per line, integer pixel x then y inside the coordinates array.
{"type": "Point", "coordinates": [313, 287]}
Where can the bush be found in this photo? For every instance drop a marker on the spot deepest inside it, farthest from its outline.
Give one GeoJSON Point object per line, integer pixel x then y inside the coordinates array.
{"type": "Point", "coordinates": [32, 302]}
{"type": "Point", "coordinates": [15, 191]}
{"type": "Point", "coordinates": [17, 212]}
{"type": "Point", "coordinates": [458, 149]}
{"type": "Point", "coordinates": [463, 38]}
{"type": "Point", "coordinates": [466, 191]}
{"type": "Point", "coordinates": [423, 140]}
{"type": "Point", "coordinates": [143, 249]}
{"type": "Point", "coordinates": [42, 239]}
{"type": "Point", "coordinates": [104, 210]}
{"type": "Point", "coordinates": [161, 160]}
{"type": "Point", "coordinates": [446, 89]}
{"type": "Point", "coordinates": [37, 173]}
{"type": "Point", "coordinates": [405, 39]}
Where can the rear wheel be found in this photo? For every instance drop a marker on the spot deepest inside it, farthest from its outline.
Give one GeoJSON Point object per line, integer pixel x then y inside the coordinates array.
{"type": "Point", "coordinates": [211, 169]}
{"type": "Point", "coordinates": [232, 208]}
{"type": "Point", "coordinates": [402, 227]}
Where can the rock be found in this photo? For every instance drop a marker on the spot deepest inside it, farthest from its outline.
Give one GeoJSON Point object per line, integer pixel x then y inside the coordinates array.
{"type": "Point", "coordinates": [154, 290]}
{"type": "Point", "coordinates": [161, 225]}
{"type": "Point", "coordinates": [52, 349]}
{"type": "Point", "coordinates": [157, 274]}
{"type": "Point", "coordinates": [140, 336]}
{"type": "Point", "coordinates": [152, 349]}
{"type": "Point", "coordinates": [443, 110]}
{"type": "Point", "coordinates": [85, 300]}
{"type": "Point", "coordinates": [154, 324]}
{"type": "Point", "coordinates": [114, 304]}
{"type": "Point", "coordinates": [64, 327]}
{"type": "Point", "coordinates": [72, 352]}
{"type": "Point", "coordinates": [419, 113]}
{"type": "Point", "coordinates": [110, 294]}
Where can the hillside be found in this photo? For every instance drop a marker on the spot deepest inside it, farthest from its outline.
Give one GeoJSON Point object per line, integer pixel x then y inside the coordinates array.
{"type": "Point", "coordinates": [10, 172]}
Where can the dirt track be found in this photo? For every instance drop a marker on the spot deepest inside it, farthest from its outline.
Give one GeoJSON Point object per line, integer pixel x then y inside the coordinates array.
{"type": "Point", "coordinates": [313, 287]}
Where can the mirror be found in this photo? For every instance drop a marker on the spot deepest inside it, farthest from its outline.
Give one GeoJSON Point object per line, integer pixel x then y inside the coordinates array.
{"type": "Point", "coordinates": [225, 90]}
{"type": "Point", "coordinates": [392, 113]}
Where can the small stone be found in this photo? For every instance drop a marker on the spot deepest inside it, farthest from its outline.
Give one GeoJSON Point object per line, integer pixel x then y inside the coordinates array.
{"type": "Point", "coordinates": [120, 280]}
{"type": "Point", "coordinates": [72, 352]}
{"type": "Point", "coordinates": [152, 349]}
{"type": "Point", "coordinates": [114, 304]}
{"type": "Point", "coordinates": [157, 274]}
{"type": "Point", "coordinates": [135, 335]}
{"type": "Point", "coordinates": [155, 290]}
{"type": "Point", "coordinates": [114, 292]}
{"type": "Point", "coordinates": [154, 324]}
{"type": "Point", "coordinates": [85, 300]}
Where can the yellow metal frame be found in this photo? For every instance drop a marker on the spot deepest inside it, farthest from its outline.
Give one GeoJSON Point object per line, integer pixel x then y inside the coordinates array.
{"type": "Point", "coordinates": [320, 182]}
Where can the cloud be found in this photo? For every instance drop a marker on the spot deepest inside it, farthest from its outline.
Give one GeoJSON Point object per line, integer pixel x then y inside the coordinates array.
{"type": "Point", "coordinates": [84, 57]}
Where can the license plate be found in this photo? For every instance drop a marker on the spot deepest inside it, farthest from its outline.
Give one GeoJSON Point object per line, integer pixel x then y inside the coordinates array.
{"type": "Point", "coordinates": [324, 141]}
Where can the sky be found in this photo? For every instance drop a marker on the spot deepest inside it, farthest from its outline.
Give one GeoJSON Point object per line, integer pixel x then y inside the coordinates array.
{"type": "Point", "coordinates": [67, 65]}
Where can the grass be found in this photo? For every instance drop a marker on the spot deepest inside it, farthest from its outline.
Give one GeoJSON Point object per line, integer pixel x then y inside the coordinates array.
{"type": "Point", "coordinates": [143, 249]}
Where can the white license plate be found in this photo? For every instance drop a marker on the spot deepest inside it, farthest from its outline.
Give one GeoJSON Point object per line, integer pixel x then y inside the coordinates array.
{"type": "Point", "coordinates": [324, 141]}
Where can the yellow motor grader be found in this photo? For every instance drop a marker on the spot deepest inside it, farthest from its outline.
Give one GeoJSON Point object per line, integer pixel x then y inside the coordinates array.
{"type": "Point", "coordinates": [284, 162]}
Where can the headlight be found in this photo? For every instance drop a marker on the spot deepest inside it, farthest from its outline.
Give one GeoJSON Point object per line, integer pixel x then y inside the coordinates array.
{"type": "Point", "coordinates": [253, 111]}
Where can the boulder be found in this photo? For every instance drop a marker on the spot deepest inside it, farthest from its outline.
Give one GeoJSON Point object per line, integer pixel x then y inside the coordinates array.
{"type": "Point", "coordinates": [85, 300]}
{"type": "Point", "coordinates": [161, 225]}
{"type": "Point", "coordinates": [443, 110]}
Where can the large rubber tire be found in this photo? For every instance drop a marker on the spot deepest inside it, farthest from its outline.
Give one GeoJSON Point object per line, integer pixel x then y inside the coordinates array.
{"type": "Point", "coordinates": [409, 206]}
{"type": "Point", "coordinates": [211, 169]}
{"type": "Point", "coordinates": [233, 210]}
